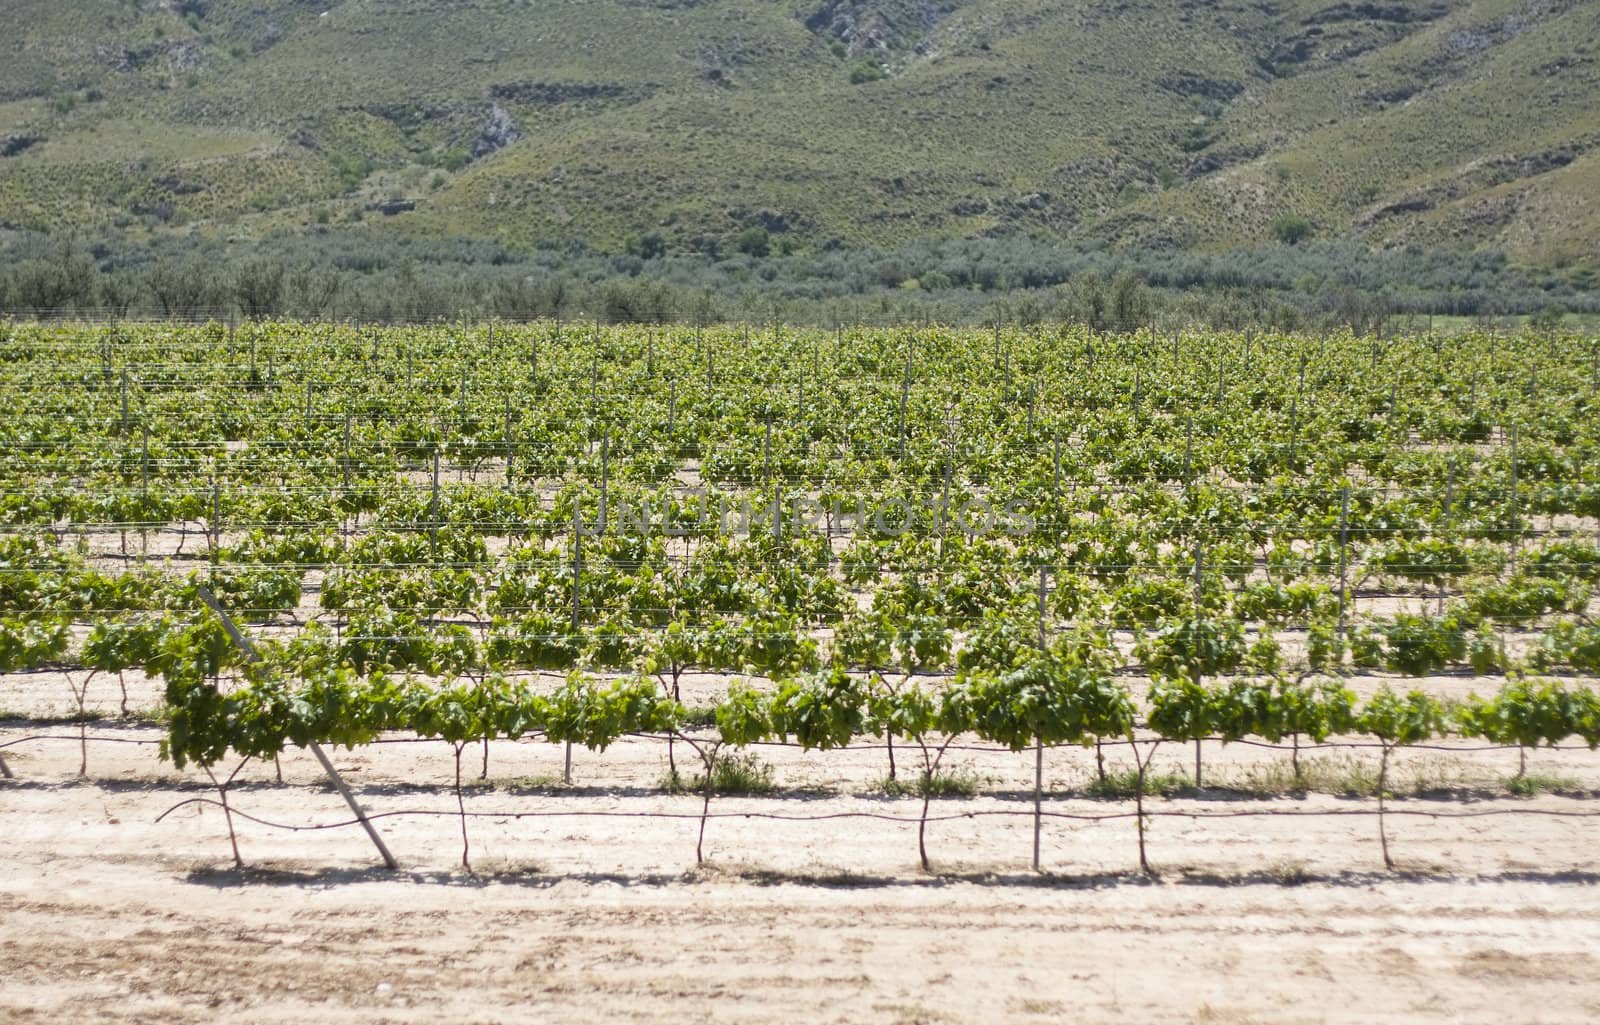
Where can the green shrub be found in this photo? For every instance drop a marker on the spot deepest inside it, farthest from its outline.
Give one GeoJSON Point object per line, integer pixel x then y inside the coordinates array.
{"type": "Point", "coordinates": [1292, 229]}
{"type": "Point", "coordinates": [866, 71]}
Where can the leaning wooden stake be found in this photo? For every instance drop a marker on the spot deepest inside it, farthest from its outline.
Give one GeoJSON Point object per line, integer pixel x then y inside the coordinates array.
{"type": "Point", "coordinates": [244, 645]}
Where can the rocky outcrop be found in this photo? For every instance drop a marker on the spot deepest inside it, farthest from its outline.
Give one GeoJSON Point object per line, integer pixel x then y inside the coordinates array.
{"type": "Point", "coordinates": [11, 145]}
{"type": "Point", "coordinates": [878, 26]}
{"type": "Point", "coordinates": [551, 94]}
{"type": "Point", "coordinates": [1480, 176]}
{"type": "Point", "coordinates": [499, 131]}
{"type": "Point", "coordinates": [177, 56]}
{"type": "Point", "coordinates": [1189, 84]}
{"type": "Point", "coordinates": [390, 207]}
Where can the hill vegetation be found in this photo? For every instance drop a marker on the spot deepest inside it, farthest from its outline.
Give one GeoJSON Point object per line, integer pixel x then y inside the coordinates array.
{"type": "Point", "coordinates": [770, 127]}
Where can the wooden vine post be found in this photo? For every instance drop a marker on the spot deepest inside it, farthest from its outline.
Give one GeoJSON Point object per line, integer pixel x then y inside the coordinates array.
{"type": "Point", "coordinates": [509, 450]}
{"type": "Point", "coordinates": [1344, 540]}
{"type": "Point", "coordinates": [216, 522]}
{"type": "Point", "coordinates": [144, 488]}
{"type": "Point", "coordinates": [433, 509]}
{"type": "Point", "coordinates": [1449, 496]}
{"type": "Point", "coordinates": [905, 401]}
{"type": "Point", "coordinates": [1038, 740]}
{"type": "Point", "coordinates": [1294, 430]}
{"type": "Point", "coordinates": [1516, 531]}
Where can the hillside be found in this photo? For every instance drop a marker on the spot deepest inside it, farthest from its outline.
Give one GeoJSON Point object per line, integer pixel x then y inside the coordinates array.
{"type": "Point", "coordinates": [1211, 124]}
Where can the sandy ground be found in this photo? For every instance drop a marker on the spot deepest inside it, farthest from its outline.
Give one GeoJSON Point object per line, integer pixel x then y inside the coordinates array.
{"type": "Point", "coordinates": [110, 916]}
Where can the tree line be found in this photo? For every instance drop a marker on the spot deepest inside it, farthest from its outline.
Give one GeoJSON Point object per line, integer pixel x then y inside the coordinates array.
{"type": "Point", "coordinates": [352, 277]}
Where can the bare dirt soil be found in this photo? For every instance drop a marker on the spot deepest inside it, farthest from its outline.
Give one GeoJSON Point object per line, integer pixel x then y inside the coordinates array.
{"type": "Point", "coordinates": [110, 916]}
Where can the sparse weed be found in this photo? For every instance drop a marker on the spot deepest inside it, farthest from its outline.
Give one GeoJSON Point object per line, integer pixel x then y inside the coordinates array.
{"type": "Point", "coordinates": [738, 774]}
{"type": "Point", "coordinates": [948, 781]}
{"type": "Point", "coordinates": [1124, 783]}
{"type": "Point", "coordinates": [1531, 784]}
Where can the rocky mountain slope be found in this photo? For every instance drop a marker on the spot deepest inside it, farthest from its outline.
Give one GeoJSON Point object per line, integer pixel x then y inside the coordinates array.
{"type": "Point", "coordinates": [685, 123]}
